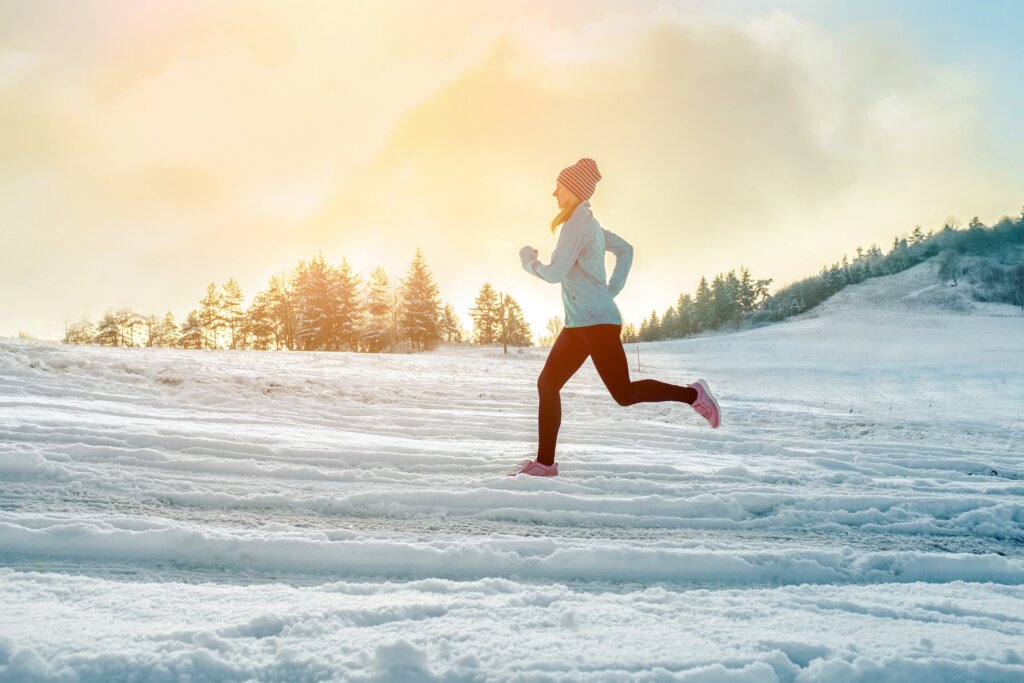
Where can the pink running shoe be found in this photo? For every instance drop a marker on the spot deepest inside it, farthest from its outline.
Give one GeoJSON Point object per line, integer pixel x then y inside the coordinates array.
{"type": "Point", "coordinates": [536, 469]}
{"type": "Point", "coordinates": [706, 405]}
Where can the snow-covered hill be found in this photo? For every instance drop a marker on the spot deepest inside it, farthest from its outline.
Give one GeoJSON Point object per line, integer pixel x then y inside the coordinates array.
{"type": "Point", "coordinates": [175, 515]}
{"type": "Point", "coordinates": [917, 290]}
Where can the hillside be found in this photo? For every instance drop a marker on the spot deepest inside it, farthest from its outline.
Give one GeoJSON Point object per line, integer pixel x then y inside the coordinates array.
{"type": "Point", "coordinates": [917, 290]}
{"type": "Point", "coordinates": [902, 346]}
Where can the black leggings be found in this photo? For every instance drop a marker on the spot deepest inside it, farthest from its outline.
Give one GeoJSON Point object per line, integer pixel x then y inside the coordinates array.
{"type": "Point", "coordinates": [603, 343]}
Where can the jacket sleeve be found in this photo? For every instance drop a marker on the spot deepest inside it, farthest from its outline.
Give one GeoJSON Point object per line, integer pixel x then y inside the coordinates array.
{"type": "Point", "coordinates": [570, 243]}
{"type": "Point", "coordinates": [623, 252]}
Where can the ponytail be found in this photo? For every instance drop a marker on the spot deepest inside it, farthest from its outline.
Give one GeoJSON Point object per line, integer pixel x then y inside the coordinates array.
{"type": "Point", "coordinates": [564, 214]}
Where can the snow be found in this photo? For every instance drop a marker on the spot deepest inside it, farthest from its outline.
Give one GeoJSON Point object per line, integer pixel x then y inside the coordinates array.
{"type": "Point", "coordinates": [207, 516]}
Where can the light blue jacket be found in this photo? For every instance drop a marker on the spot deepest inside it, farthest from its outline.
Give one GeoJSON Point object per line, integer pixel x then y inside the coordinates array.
{"type": "Point", "coordinates": [578, 263]}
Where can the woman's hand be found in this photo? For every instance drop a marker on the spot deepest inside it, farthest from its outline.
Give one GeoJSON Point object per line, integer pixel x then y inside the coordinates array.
{"type": "Point", "coordinates": [528, 254]}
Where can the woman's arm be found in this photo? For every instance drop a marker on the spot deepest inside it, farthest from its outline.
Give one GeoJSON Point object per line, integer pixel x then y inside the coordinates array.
{"type": "Point", "coordinates": [571, 241]}
{"type": "Point", "coordinates": [623, 252]}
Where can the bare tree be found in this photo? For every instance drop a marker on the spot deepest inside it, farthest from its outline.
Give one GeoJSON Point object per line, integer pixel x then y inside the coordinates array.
{"type": "Point", "coordinates": [554, 328]}
{"type": "Point", "coordinates": [81, 332]}
{"type": "Point", "coordinates": [949, 266]}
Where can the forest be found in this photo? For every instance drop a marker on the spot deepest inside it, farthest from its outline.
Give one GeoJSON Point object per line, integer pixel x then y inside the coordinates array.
{"type": "Point", "coordinates": [990, 258]}
{"type": "Point", "coordinates": [318, 306]}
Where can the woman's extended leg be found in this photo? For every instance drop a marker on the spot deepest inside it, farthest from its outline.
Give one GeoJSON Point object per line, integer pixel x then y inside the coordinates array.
{"type": "Point", "coordinates": [566, 356]}
{"type": "Point", "coordinates": [604, 344]}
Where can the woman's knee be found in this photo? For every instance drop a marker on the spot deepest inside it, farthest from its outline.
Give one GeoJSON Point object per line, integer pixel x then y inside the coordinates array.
{"type": "Point", "coordinates": [623, 396]}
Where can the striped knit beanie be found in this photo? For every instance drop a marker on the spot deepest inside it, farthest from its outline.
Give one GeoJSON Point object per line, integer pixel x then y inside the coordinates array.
{"type": "Point", "coordinates": [581, 178]}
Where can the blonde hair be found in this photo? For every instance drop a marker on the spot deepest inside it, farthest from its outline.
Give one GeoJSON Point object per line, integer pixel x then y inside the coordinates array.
{"type": "Point", "coordinates": [564, 214]}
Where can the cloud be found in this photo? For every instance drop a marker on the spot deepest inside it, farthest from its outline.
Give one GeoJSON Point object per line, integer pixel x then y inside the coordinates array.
{"type": "Point", "coordinates": [771, 143]}
{"type": "Point", "coordinates": [181, 142]}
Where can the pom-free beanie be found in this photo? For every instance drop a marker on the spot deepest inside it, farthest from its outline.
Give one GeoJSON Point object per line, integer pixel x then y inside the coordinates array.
{"type": "Point", "coordinates": [581, 178]}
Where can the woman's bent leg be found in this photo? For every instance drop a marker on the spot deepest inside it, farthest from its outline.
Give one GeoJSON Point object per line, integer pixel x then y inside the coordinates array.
{"type": "Point", "coordinates": [605, 346]}
{"type": "Point", "coordinates": [566, 356]}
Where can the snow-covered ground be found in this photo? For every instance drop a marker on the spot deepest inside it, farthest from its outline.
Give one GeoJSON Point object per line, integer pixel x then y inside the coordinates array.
{"type": "Point", "coordinates": [186, 516]}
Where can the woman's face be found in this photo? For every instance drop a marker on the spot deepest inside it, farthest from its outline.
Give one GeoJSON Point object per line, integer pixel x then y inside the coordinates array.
{"type": "Point", "coordinates": [562, 194]}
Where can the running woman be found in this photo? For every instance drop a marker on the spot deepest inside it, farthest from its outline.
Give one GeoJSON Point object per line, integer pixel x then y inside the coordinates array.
{"type": "Point", "coordinates": [593, 326]}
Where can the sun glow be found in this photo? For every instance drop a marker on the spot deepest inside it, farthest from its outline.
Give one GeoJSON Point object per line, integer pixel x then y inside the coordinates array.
{"type": "Point", "coordinates": [159, 146]}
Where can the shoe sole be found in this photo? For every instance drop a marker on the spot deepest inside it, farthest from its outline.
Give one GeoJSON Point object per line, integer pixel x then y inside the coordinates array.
{"type": "Point", "coordinates": [516, 473]}
{"type": "Point", "coordinates": [707, 392]}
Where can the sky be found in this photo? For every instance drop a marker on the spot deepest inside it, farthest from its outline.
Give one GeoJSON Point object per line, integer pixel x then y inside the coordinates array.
{"type": "Point", "coordinates": [150, 148]}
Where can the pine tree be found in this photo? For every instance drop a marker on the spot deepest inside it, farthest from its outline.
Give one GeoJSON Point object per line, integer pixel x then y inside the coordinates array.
{"type": "Point", "coordinates": [316, 305]}
{"type": "Point", "coordinates": [899, 257]}
{"type": "Point", "coordinates": [517, 330]}
{"type": "Point", "coordinates": [129, 326]}
{"type": "Point", "coordinates": [669, 324]}
{"type": "Point", "coordinates": [376, 335]}
{"type": "Point", "coordinates": [350, 308]}
{"type": "Point", "coordinates": [156, 332]}
{"type": "Point", "coordinates": [167, 331]}
{"type": "Point", "coordinates": [650, 329]}
{"type": "Point", "coordinates": [108, 331]}
{"type": "Point", "coordinates": [260, 322]}
{"type": "Point", "coordinates": [151, 323]}
{"type": "Point", "coordinates": [420, 305]}
{"type": "Point", "coordinates": [703, 306]}
{"type": "Point", "coordinates": [297, 286]}
{"type": "Point", "coordinates": [685, 315]}
{"type": "Point", "coordinates": [281, 299]}
{"type": "Point", "coordinates": [397, 313]}
{"type": "Point", "coordinates": [486, 315]}
{"type": "Point", "coordinates": [232, 313]}
{"type": "Point", "coordinates": [746, 294]}
{"type": "Point", "coordinates": [450, 325]}
{"type": "Point", "coordinates": [193, 332]}
{"type": "Point", "coordinates": [730, 298]}
{"type": "Point", "coordinates": [717, 302]}
{"type": "Point", "coordinates": [211, 317]}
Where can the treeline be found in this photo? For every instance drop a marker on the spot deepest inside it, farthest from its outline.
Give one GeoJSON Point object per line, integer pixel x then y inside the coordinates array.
{"type": "Point", "coordinates": [723, 302]}
{"type": "Point", "coordinates": [321, 307]}
{"type": "Point", "coordinates": [317, 307]}
{"type": "Point", "coordinates": [733, 300]}
{"type": "Point", "coordinates": [497, 317]}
